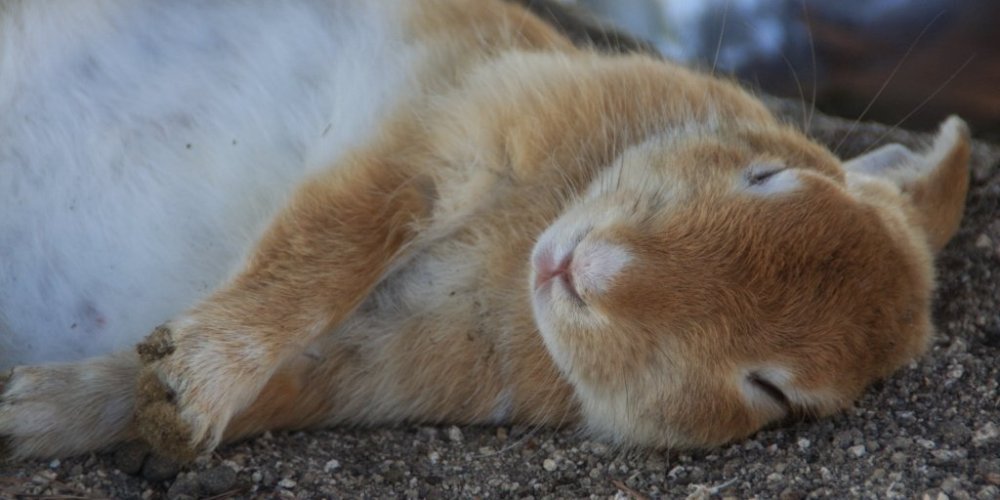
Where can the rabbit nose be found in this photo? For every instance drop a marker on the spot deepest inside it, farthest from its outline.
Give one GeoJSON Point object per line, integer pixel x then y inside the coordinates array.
{"type": "Point", "coordinates": [548, 267]}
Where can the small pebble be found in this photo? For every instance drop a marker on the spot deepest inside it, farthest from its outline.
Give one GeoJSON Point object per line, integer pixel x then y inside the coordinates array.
{"type": "Point", "coordinates": [183, 487]}
{"type": "Point", "coordinates": [549, 464]}
{"type": "Point", "coordinates": [331, 465]}
{"type": "Point", "coordinates": [44, 477]}
{"type": "Point", "coordinates": [455, 434]}
{"type": "Point", "coordinates": [984, 242]}
{"type": "Point", "coordinates": [130, 457]}
{"type": "Point", "coordinates": [159, 468]}
{"type": "Point", "coordinates": [988, 492]}
{"type": "Point", "coordinates": [217, 480]}
{"type": "Point", "coordinates": [986, 434]}
{"type": "Point", "coordinates": [790, 494]}
{"type": "Point", "coordinates": [430, 433]}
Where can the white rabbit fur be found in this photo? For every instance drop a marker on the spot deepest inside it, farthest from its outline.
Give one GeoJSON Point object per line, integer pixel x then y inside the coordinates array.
{"type": "Point", "coordinates": [145, 145]}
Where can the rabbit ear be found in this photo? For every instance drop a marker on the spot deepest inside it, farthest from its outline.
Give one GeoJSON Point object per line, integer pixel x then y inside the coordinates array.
{"type": "Point", "coordinates": [934, 181]}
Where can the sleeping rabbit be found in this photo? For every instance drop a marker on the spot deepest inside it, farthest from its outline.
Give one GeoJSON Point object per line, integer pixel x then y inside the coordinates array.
{"type": "Point", "coordinates": [345, 212]}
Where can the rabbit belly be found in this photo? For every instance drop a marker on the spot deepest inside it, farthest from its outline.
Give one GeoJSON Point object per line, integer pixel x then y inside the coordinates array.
{"type": "Point", "coordinates": [145, 145]}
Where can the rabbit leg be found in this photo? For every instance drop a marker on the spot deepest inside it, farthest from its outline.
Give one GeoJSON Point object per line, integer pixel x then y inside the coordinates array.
{"type": "Point", "coordinates": [69, 408]}
{"type": "Point", "coordinates": [319, 259]}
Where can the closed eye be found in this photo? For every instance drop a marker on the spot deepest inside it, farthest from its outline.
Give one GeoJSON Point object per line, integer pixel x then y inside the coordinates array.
{"type": "Point", "coordinates": [769, 180]}
{"type": "Point", "coordinates": [759, 176]}
{"type": "Point", "coordinates": [771, 390]}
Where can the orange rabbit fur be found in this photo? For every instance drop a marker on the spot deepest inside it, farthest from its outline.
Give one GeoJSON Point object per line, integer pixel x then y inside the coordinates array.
{"type": "Point", "coordinates": [719, 270]}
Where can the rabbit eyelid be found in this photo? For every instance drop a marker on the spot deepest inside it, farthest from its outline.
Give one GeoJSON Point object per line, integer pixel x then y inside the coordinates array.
{"type": "Point", "coordinates": [765, 387]}
{"type": "Point", "coordinates": [769, 388]}
{"type": "Point", "coordinates": [769, 180]}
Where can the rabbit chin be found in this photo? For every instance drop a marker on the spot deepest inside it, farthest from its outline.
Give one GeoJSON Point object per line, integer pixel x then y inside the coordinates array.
{"type": "Point", "coordinates": [621, 400]}
{"type": "Point", "coordinates": [573, 265]}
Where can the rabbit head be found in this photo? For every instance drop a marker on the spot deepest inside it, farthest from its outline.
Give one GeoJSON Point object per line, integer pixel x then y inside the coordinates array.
{"type": "Point", "coordinates": [717, 279]}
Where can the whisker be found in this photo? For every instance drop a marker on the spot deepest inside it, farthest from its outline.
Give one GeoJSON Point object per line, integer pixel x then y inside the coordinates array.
{"type": "Point", "coordinates": [802, 95]}
{"type": "Point", "coordinates": [885, 84]}
{"type": "Point", "coordinates": [621, 161]}
{"type": "Point", "coordinates": [806, 114]}
{"type": "Point", "coordinates": [923, 103]}
{"type": "Point", "coordinates": [722, 34]}
{"type": "Point", "coordinates": [628, 400]}
{"type": "Point", "coordinates": [812, 57]}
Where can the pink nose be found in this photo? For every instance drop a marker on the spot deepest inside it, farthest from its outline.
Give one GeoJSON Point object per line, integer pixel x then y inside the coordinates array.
{"type": "Point", "coordinates": [547, 269]}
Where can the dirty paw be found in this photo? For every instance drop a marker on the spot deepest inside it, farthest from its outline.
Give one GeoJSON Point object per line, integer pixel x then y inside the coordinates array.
{"type": "Point", "coordinates": [158, 421]}
{"type": "Point", "coordinates": [195, 378]}
{"type": "Point", "coordinates": [156, 346]}
{"type": "Point", "coordinates": [136, 458]}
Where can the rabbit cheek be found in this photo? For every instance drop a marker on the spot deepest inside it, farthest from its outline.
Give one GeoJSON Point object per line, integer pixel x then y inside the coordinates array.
{"type": "Point", "coordinates": [595, 266]}
{"type": "Point", "coordinates": [709, 412]}
{"type": "Point", "coordinates": [675, 402]}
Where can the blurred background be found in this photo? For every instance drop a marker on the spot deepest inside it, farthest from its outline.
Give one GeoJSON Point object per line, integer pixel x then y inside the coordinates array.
{"type": "Point", "coordinates": [901, 62]}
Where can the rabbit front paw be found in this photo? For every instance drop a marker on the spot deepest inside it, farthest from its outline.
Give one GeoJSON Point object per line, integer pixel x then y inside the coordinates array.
{"type": "Point", "coordinates": [196, 377]}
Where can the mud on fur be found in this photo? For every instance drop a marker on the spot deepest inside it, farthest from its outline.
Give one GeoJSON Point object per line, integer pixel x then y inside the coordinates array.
{"type": "Point", "coordinates": [447, 213]}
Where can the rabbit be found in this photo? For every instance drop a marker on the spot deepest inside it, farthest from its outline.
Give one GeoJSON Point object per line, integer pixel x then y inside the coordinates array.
{"type": "Point", "coordinates": [365, 213]}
